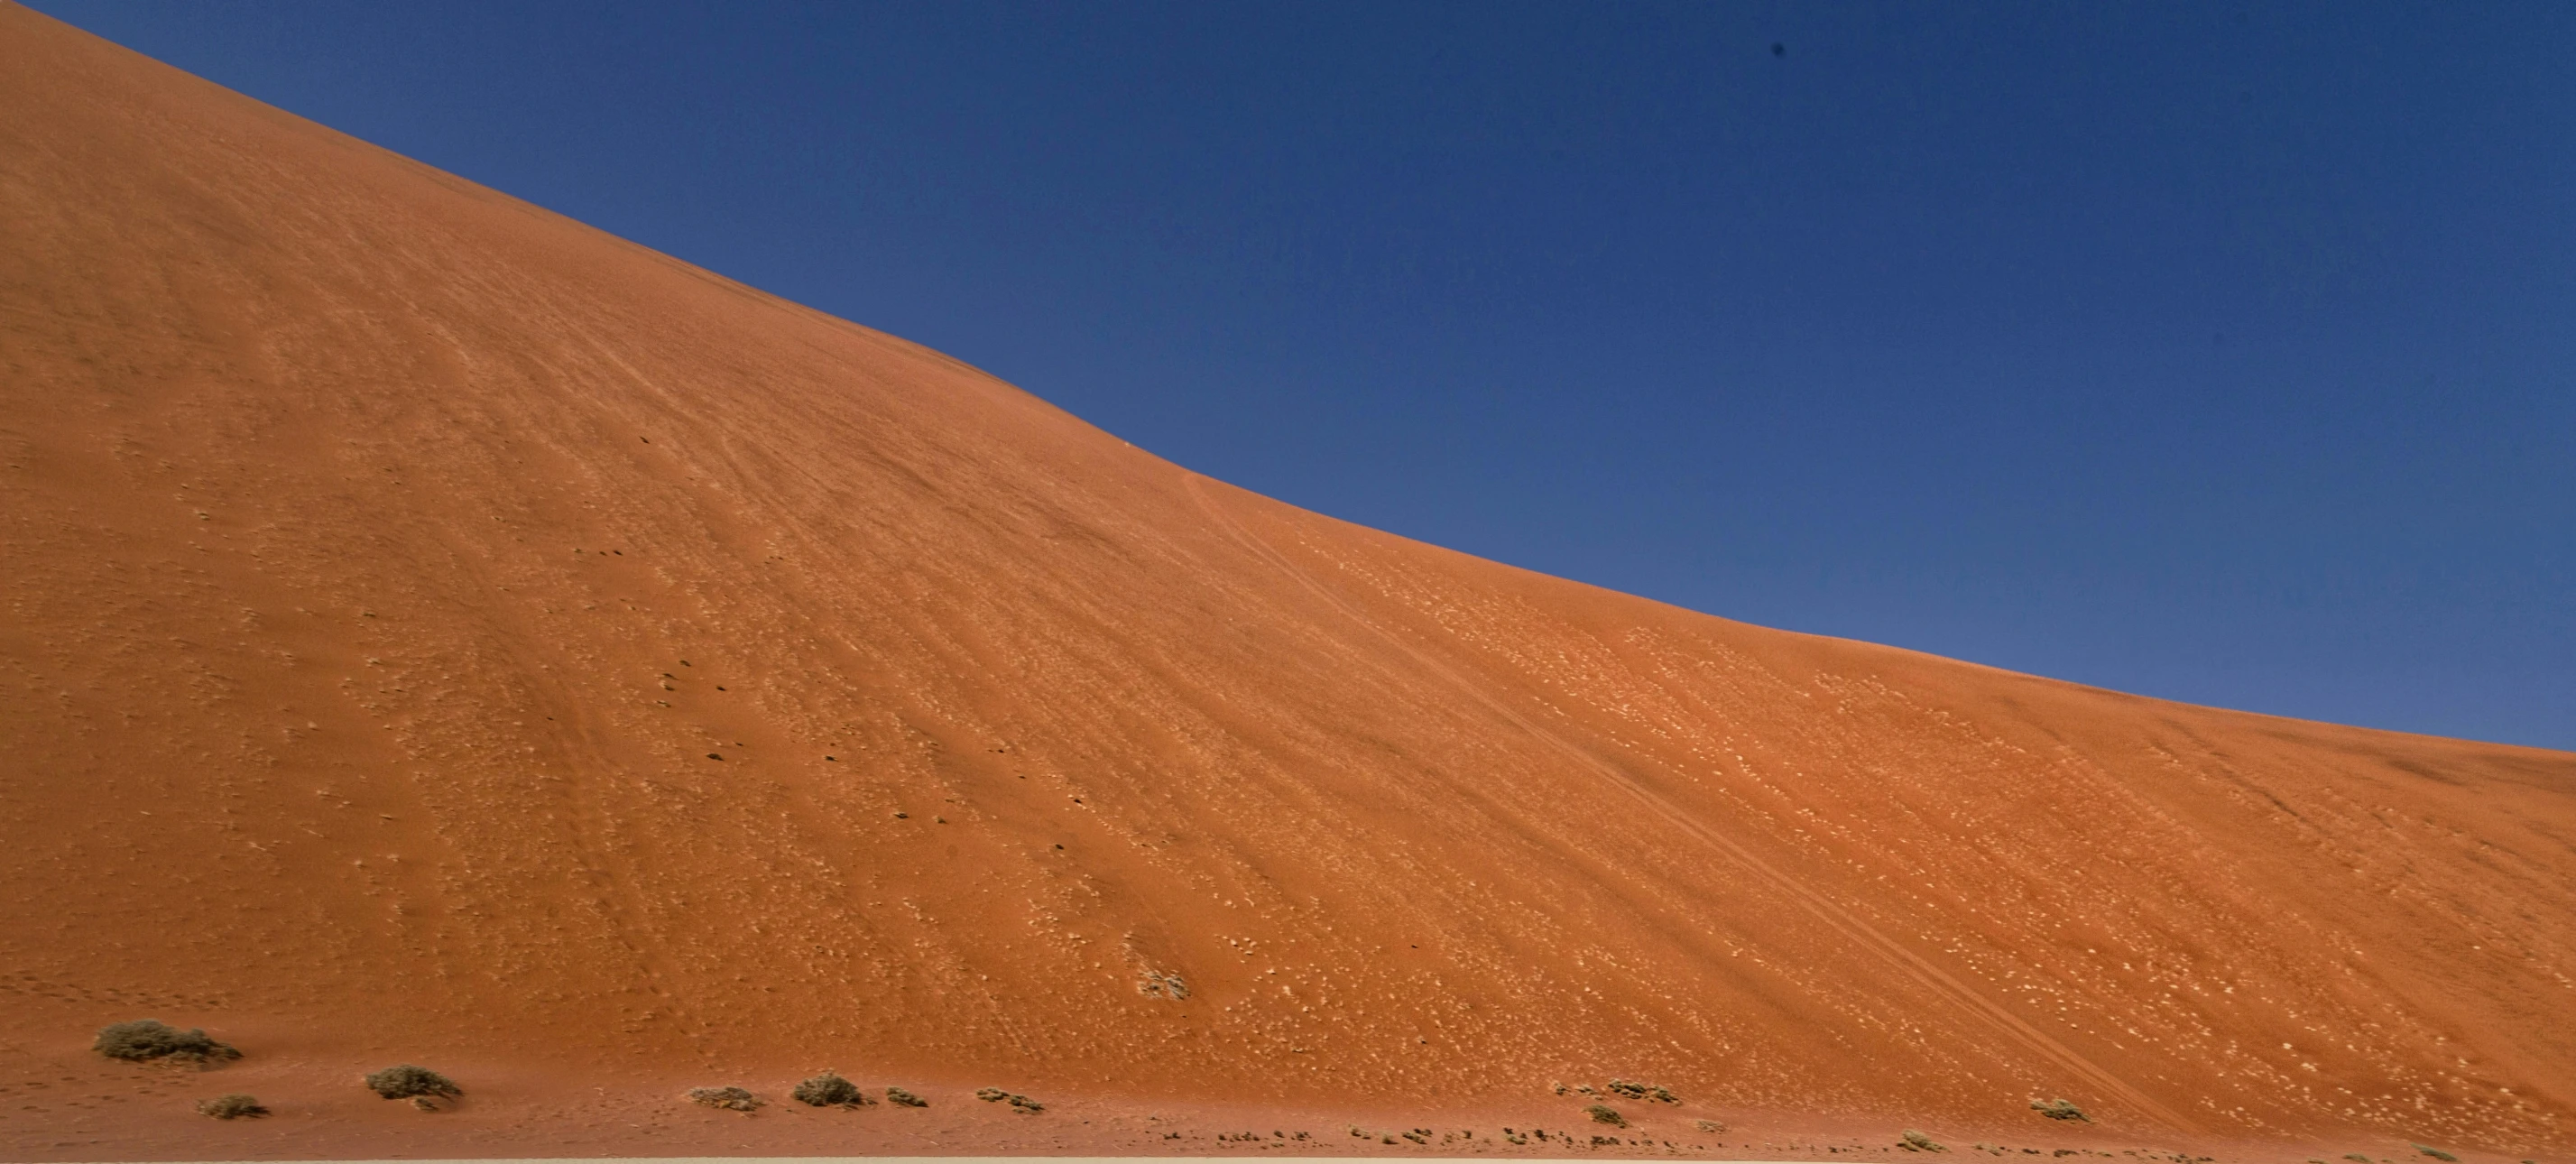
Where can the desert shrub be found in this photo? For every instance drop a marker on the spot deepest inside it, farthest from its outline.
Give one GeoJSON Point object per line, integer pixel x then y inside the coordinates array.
{"type": "Point", "coordinates": [829, 1090]}
{"type": "Point", "coordinates": [231, 1107]}
{"type": "Point", "coordinates": [1603, 1114]}
{"type": "Point", "coordinates": [2058, 1109]}
{"type": "Point", "coordinates": [146, 1039]}
{"type": "Point", "coordinates": [1914, 1141]}
{"type": "Point", "coordinates": [1635, 1090]}
{"type": "Point", "coordinates": [2437, 1153]}
{"type": "Point", "coordinates": [1020, 1103]}
{"type": "Point", "coordinates": [728, 1098]}
{"type": "Point", "coordinates": [901, 1098]}
{"type": "Point", "coordinates": [1712, 1125]}
{"type": "Point", "coordinates": [418, 1084]}
{"type": "Point", "coordinates": [2356, 1158]}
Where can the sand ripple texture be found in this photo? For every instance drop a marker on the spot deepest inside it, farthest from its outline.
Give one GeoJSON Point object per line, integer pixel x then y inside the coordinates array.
{"type": "Point", "coordinates": [438, 631]}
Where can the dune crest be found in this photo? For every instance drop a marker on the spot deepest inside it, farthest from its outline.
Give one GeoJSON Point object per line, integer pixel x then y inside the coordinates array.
{"type": "Point", "coordinates": [441, 632]}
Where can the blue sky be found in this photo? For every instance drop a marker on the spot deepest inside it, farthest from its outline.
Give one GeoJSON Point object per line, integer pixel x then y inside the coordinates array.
{"type": "Point", "coordinates": [2224, 353]}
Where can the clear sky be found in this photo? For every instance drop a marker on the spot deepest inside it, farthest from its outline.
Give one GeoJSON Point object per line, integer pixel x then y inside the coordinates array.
{"type": "Point", "coordinates": [2225, 353]}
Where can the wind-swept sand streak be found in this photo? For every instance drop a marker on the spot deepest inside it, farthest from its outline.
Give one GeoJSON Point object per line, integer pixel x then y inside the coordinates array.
{"type": "Point", "coordinates": [1861, 933]}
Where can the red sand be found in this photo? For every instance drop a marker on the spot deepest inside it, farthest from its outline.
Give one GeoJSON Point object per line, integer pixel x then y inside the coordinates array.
{"type": "Point", "coordinates": [387, 562]}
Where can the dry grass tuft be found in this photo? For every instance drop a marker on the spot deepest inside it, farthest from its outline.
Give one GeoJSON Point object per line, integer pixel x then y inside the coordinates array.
{"type": "Point", "coordinates": [147, 1039]}
{"type": "Point", "coordinates": [727, 1098]}
{"type": "Point", "coordinates": [231, 1107]}
{"type": "Point", "coordinates": [422, 1086]}
{"type": "Point", "coordinates": [829, 1090]}
{"type": "Point", "coordinates": [2058, 1109]}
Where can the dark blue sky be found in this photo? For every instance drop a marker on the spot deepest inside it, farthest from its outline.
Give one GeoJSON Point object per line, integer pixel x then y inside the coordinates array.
{"type": "Point", "coordinates": [2223, 353]}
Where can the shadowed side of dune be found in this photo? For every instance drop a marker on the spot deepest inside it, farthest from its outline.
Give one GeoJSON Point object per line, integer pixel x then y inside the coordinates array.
{"type": "Point", "coordinates": [435, 624]}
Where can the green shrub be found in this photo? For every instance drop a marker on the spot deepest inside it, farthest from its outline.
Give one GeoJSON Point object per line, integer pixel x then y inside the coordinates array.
{"type": "Point", "coordinates": [1603, 1114]}
{"type": "Point", "coordinates": [728, 1098]}
{"type": "Point", "coordinates": [418, 1084]}
{"type": "Point", "coordinates": [829, 1090]}
{"type": "Point", "coordinates": [2058, 1109]}
{"type": "Point", "coordinates": [231, 1107]}
{"type": "Point", "coordinates": [901, 1098]}
{"type": "Point", "coordinates": [146, 1039]}
{"type": "Point", "coordinates": [2437, 1154]}
{"type": "Point", "coordinates": [1914, 1141]}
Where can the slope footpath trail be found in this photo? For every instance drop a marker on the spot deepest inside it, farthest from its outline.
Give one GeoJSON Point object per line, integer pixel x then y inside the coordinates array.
{"type": "Point", "coordinates": [1935, 980]}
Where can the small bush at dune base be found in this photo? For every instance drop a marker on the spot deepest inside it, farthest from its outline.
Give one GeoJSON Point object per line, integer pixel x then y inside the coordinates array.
{"type": "Point", "coordinates": [2437, 1154]}
{"type": "Point", "coordinates": [1026, 1106]}
{"type": "Point", "coordinates": [728, 1098]}
{"type": "Point", "coordinates": [1634, 1090]}
{"type": "Point", "coordinates": [422, 1086]}
{"type": "Point", "coordinates": [231, 1107]}
{"type": "Point", "coordinates": [1914, 1141]}
{"type": "Point", "coordinates": [1604, 1114]}
{"type": "Point", "coordinates": [1712, 1125]}
{"type": "Point", "coordinates": [147, 1039]}
{"type": "Point", "coordinates": [2058, 1109]}
{"type": "Point", "coordinates": [901, 1098]}
{"type": "Point", "coordinates": [829, 1090]}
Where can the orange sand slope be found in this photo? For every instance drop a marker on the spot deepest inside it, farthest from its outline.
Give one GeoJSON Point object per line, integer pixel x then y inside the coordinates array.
{"type": "Point", "coordinates": [437, 630]}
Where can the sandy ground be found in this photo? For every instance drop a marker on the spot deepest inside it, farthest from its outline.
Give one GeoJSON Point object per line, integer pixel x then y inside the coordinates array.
{"type": "Point", "coordinates": [911, 1159]}
{"type": "Point", "coordinates": [440, 632]}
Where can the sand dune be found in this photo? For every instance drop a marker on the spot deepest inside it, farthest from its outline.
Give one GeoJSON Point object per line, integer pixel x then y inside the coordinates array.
{"type": "Point", "coordinates": [439, 631]}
